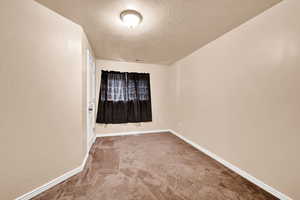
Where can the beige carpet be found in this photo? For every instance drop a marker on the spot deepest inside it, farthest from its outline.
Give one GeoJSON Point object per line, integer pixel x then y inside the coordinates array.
{"type": "Point", "coordinates": [156, 166]}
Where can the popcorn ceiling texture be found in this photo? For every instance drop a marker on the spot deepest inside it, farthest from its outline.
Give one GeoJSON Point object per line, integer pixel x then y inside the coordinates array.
{"type": "Point", "coordinates": [170, 29]}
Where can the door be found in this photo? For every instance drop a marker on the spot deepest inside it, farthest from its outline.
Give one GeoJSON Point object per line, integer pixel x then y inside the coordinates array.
{"type": "Point", "coordinates": [91, 97]}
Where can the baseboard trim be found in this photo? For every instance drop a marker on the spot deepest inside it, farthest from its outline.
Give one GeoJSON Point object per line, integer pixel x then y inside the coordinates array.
{"type": "Point", "coordinates": [50, 184]}
{"type": "Point", "coordinates": [234, 168]}
{"type": "Point", "coordinates": [132, 133]}
{"type": "Point", "coordinates": [77, 170]}
{"type": "Point", "coordinates": [91, 142]}
{"type": "Point", "coordinates": [60, 179]}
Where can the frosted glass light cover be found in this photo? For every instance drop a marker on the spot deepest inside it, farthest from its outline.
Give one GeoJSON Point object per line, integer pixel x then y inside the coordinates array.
{"type": "Point", "coordinates": [131, 18]}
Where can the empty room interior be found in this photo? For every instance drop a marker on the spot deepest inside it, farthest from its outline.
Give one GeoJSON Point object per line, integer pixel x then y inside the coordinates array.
{"type": "Point", "coordinates": [150, 99]}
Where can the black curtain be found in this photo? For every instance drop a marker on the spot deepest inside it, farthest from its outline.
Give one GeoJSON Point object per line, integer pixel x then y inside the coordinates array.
{"type": "Point", "coordinates": [124, 98]}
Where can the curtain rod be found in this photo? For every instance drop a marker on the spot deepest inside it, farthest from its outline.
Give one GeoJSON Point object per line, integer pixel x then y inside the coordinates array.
{"type": "Point", "coordinates": [100, 68]}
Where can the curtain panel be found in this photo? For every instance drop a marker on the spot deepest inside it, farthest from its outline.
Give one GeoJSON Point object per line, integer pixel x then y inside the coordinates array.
{"type": "Point", "coordinates": [124, 98]}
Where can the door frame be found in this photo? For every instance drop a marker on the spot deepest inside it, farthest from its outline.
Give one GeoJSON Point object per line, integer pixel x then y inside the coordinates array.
{"type": "Point", "coordinates": [90, 98]}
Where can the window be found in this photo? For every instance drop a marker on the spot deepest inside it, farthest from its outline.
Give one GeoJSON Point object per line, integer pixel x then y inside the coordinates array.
{"type": "Point", "coordinates": [124, 98]}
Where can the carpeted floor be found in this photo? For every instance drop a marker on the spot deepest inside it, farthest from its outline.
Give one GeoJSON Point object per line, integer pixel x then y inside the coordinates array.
{"type": "Point", "coordinates": [157, 166]}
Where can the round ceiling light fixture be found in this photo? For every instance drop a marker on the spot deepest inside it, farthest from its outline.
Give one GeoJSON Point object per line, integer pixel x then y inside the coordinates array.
{"type": "Point", "coordinates": [131, 18]}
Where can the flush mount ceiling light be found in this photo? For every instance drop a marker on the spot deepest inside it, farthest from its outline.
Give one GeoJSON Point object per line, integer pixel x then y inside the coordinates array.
{"type": "Point", "coordinates": [131, 18]}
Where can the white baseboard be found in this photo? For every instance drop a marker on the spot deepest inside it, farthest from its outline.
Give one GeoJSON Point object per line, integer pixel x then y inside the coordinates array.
{"type": "Point", "coordinates": [91, 142]}
{"type": "Point", "coordinates": [77, 170]}
{"type": "Point", "coordinates": [60, 179]}
{"type": "Point", "coordinates": [131, 133]}
{"type": "Point", "coordinates": [49, 185]}
{"type": "Point", "coordinates": [237, 170]}
{"type": "Point", "coordinates": [71, 173]}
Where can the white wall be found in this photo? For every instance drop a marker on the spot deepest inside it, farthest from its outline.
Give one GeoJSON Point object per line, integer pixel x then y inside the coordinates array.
{"type": "Point", "coordinates": [239, 97]}
{"type": "Point", "coordinates": [42, 91]}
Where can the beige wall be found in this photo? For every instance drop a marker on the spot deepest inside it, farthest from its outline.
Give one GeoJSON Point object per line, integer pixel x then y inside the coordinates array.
{"type": "Point", "coordinates": [41, 84]}
{"type": "Point", "coordinates": [160, 87]}
{"type": "Point", "coordinates": [239, 97]}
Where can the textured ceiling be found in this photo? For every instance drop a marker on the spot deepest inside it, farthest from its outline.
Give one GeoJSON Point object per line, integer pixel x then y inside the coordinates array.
{"type": "Point", "coordinates": [171, 29]}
